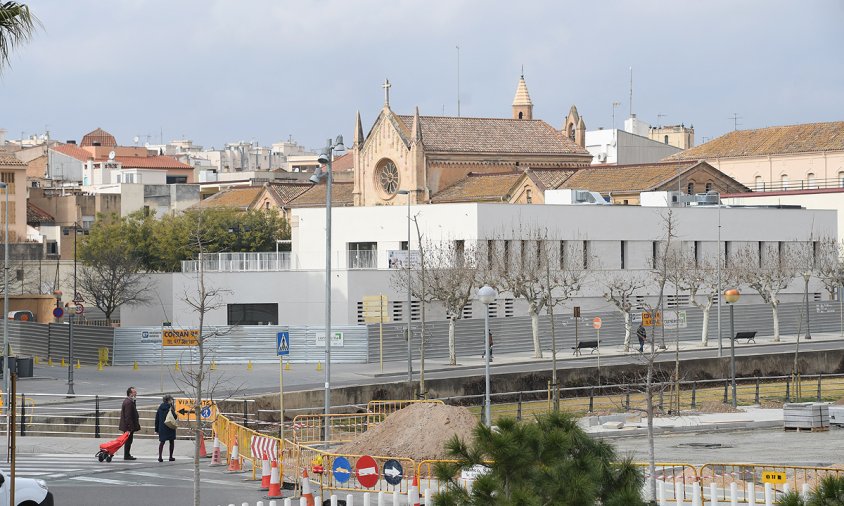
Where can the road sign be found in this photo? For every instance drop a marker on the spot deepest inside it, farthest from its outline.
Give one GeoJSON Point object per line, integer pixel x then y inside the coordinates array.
{"type": "Point", "coordinates": [375, 309]}
{"type": "Point", "coordinates": [774, 477]}
{"type": "Point", "coordinates": [80, 309]}
{"type": "Point", "coordinates": [675, 319]}
{"type": "Point", "coordinates": [341, 469]}
{"type": "Point", "coordinates": [648, 321]}
{"type": "Point", "coordinates": [473, 472]}
{"type": "Point", "coordinates": [58, 312]}
{"type": "Point", "coordinates": [336, 340]}
{"type": "Point", "coordinates": [596, 322]}
{"type": "Point", "coordinates": [282, 343]}
{"type": "Point", "coordinates": [366, 470]}
{"type": "Point", "coordinates": [189, 337]}
{"type": "Point", "coordinates": [184, 408]}
{"type": "Point", "coordinates": [393, 472]}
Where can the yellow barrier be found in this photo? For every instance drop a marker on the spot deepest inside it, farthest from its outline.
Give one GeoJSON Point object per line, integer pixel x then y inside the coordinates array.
{"type": "Point", "coordinates": [377, 411]}
{"type": "Point", "coordinates": [328, 481]}
{"type": "Point", "coordinates": [308, 429]}
{"type": "Point", "coordinates": [227, 430]}
{"type": "Point", "coordinates": [742, 474]}
{"type": "Point", "coordinates": [673, 473]}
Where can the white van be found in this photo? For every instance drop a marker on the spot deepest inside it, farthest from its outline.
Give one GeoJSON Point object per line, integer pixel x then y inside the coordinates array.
{"type": "Point", "coordinates": [27, 491]}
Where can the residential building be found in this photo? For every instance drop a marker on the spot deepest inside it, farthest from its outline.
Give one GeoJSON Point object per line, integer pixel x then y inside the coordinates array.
{"type": "Point", "coordinates": [618, 147]}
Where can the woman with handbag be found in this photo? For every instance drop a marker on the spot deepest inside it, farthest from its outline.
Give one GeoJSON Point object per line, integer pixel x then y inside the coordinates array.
{"type": "Point", "coordinates": [165, 425]}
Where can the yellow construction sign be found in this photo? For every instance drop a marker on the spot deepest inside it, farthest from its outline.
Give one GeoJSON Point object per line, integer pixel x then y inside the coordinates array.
{"type": "Point", "coordinates": [375, 309]}
{"type": "Point", "coordinates": [773, 477]}
{"type": "Point", "coordinates": [185, 412]}
{"type": "Point", "coordinates": [188, 337]}
{"type": "Point", "coordinates": [648, 320]}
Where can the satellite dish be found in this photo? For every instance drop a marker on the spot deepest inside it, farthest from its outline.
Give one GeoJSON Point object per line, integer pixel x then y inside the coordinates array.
{"type": "Point", "coordinates": [136, 139]}
{"type": "Point", "coordinates": [111, 155]}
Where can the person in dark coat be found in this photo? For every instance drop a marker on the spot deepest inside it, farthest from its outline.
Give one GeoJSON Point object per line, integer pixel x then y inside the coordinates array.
{"type": "Point", "coordinates": [129, 421]}
{"type": "Point", "coordinates": [164, 432]}
{"type": "Point", "coordinates": [642, 334]}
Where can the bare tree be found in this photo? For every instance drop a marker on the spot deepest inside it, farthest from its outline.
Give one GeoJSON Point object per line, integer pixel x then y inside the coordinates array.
{"type": "Point", "coordinates": [113, 280]}
{"type": "Point", "coordinates": [452, 274]}
{"type": "Point", "coordinates": [829, 265]}
{"type": "Point", "coordinates": [619, 289]}
{"type": "Point", "coordinates": [767, 271]}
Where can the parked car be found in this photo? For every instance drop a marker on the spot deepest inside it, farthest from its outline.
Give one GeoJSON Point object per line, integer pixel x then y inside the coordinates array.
{"type": "Point", "coordinates": [27, 491]}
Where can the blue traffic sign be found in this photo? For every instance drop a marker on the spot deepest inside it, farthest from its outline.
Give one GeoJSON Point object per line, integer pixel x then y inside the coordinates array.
{"type": "Point", "coordinates": [206, 412]}
{"type": "Point", "coordinates": [58, 312]}
{"type": "Point", "coordinates": [393, 472]}
{"type": "Point", "coordinates": [282, 346]}
{"type": "Point", "coordinates": [341, 469]}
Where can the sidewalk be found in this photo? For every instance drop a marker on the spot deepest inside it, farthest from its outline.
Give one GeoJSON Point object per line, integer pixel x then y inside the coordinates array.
{"type": "Point", "coordinates": [748, 418]}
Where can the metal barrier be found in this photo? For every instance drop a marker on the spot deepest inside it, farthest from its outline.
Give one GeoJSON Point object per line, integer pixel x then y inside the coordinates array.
{"type": "Point", "coordinates": [310, 429]}
{"type": "Point", "coordinates": [379, 410]}
{"type": "Point", "coordinates": [673, 474]}
{"type": "Point", "coordinates": [752, 477]}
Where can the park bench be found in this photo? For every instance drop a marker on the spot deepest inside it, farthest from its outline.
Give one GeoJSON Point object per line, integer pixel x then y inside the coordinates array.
{"type": "Point", "coordinates": [749, 337]}
{"type": "Point", "coordinates": [584, 345]}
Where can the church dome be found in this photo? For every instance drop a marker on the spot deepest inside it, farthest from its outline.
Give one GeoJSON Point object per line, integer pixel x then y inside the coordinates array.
{"type": "Point", "coordinates": [98, 137]}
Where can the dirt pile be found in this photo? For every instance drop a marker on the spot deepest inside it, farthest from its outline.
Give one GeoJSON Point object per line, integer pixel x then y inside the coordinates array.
{"type": "Point", "coordinates": [418, 431]}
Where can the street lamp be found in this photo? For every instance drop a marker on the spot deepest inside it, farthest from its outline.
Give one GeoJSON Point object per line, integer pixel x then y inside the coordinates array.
{"type": "Point", "coordinates": [407, 261]}
{"type": "Point", "coordinates": [5, 188]}
{"type": "Point", "coordinates": [487, 295]}
{"type": "Point", "coordinates": [325, 159]}
{"type": "Point", "coordinates": [806, 275]}
{"type": "Point", "coordinates": [732, 296]}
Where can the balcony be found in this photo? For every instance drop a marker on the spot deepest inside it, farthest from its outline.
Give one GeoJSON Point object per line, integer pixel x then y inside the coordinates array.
{"type": "Point", "coordinates": [797, 185]}
{"type": "Point", "coordinates": [363, 259]}
{"type": "Point", "coordinates": [239, 262]}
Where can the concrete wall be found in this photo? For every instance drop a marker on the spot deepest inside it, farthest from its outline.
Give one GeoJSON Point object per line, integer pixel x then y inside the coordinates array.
{"type": "Point", "coordinates": [817, 199]}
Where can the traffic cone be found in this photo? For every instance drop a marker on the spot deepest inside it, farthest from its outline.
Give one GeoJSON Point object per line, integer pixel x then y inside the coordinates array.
{"type": "Point", "coordinates": [234, 459]}
{"type": "Point", "coordinates": [265, 473]}
{"type": "Point", "coordinates": [35, 359]}
{"type": "Point", "coordinates": [413, 493]}
{"type": "Point", "coordinates": [287, 366]}
{"type": "Point", "coordinates": [78, 364]}
{"type": "Point", "coordinates": [63, 364]}
{"type": "Point", "coordinates": [306, 489]}
{"type": "Point", "coordinates": [215, 452]}
{"type": "Point", "coordinates": [203, 453]}
{"type": "Point", "coordinates": [100, 365]}
{"type": "Point", "coordinates": [274, 491]}
{"type": "Point", "coordinates": [319, 366]}
{"type": "Point", "coordinates": [50, 361]}
{"type": "Point", "coordinates": [249, 366]}
{"type": "Point", "coordinates": [177, 366]}
{"type": "Point", "coordinates": [135, 365]}
{"type": "Point", "coordinates": [213, 365]}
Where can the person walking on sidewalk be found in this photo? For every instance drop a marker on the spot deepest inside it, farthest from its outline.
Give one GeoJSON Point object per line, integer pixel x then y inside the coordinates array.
{"type": "Point", "coordinates": [489, 346]}
{"type": "Point", "coordinates": [166, 432]}
{"type": "Point", "coordinates": [129, 421]}
{"type": "Point", "coordinates": [642, 334]}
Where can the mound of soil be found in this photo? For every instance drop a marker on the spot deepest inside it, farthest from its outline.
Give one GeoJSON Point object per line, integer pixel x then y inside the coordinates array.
{"type": "Point", "coordinates": [418, 431]}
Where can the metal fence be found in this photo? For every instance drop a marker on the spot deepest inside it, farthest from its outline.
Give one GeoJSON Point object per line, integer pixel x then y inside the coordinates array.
{"type": "Point", "coordinates": [239, 262]}
{"type": "Point", "coordinates": [51, 340]}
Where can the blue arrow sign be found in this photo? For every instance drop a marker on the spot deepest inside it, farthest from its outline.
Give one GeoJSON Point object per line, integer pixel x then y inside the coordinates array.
{"type": "Point", "coordinates": [282, 346]}
{"type": "Point", "coordinates": [341, 469]}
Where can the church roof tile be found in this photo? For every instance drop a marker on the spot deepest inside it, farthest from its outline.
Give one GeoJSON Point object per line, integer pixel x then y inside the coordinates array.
{"type": "Point", "coordinates": [618, 178]}
{"type": "Point", "coordinates": [479, 188]}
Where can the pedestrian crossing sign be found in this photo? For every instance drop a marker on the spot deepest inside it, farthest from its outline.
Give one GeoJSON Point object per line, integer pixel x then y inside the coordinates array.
{"type": "Point", "coordinates": [283, 344]}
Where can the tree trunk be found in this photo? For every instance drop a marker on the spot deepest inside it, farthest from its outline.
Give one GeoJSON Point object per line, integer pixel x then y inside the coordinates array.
{"type": "Point", "coordinates": [626, 330]}
{"type": "Point", "coordinates": [534, 324]}
{"type": "Point", "coordinates": [452, 351]}
{"type": "Point", "coordinates": [776, 317]}
{"type": "Point", "coordinates": [704, 334]}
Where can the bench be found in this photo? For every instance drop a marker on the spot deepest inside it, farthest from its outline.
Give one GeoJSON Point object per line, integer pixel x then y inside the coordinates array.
{"type": "Point", "coordinates": [583, 345]}
{"type": "Point", "coordinates": [749, 337]}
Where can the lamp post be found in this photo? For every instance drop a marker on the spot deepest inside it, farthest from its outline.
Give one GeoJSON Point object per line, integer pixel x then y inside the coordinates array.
{"type": "Point", "coordinates": [325, 159]}
{"type": "Point", "coordinates": [732, 296]}
{"type": "Point", "coordinates": [71, 315]}
{"type": "Point", "coordinates": [407, 261]}
{"type": "Point", "coordinates": [5, 188]}
{"type": "Point", "coordinates": [806, 275]}
{"type": "Point", "coordinates": [487, 295]}
{"type": "Point", "coordinates": [718, 268]}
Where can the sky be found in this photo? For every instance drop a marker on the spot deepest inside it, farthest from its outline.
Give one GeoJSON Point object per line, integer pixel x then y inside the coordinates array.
{"type": "Point", "coordinates": [272, 70]}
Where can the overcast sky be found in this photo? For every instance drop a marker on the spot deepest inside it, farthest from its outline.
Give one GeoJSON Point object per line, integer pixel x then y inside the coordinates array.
{"type": "Point", "coordinates": [267, 70]}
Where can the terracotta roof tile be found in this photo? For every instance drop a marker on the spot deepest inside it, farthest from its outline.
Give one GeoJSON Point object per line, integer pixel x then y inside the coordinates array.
{"type": "Point", "coordinates": [479, 188]}
{"type": "Point", "coordinates": [805, 138]}
{"type": "Point", "coordinates": [74, 151]}
{"type": "Point", "coordinates": [150, 162]}
{"type": "Point", "coordinates": [491, 135]}
{"type": "Point", "coordinates": [343, 163]}
{"type": "Point", "coordinates": [551, 178]}
{"type": "Point", "coordinates": [286, 192]}
{"type": "Point", "coordinates": [35, 215]}
{"type": "Point", "coordinates": [99, 135]}
{"type": "Point", "coordinates": [10, 161]}
{"type": "Point", "coordinates": [644, 177]}
{"type": "Point", "coordinates": [239, 197]}
{"type": "Point", "coordinates": [341, 196]}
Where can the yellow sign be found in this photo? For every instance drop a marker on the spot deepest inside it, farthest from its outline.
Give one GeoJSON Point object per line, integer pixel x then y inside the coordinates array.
{"type": "Point", "coordinates": [648, 321]}
{"type": "Point", "coordinates": [185, 412]}
{"type": "Point", "coordinates": [773, 477]}
{"type": "Point", "coordinates": [188, 337]}
{"type": "Point", "coordinates": [375, 309]}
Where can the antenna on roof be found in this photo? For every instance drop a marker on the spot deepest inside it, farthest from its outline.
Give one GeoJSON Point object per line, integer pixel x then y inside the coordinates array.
{"type": "Point", "coordinates": [735, 117]}
{"type": "Point", "coordinates": [631, 92]}
{"type": "Point", "coordinates": [458, 81]}
{"type": "Point", "coordinates": [659, 117]}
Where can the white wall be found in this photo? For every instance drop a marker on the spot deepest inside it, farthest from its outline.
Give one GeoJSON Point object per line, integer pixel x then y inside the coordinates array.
{"type": "Point", "coordinates": [827, 200]}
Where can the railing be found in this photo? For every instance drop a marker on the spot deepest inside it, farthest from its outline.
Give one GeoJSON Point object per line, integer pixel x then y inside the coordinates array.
{"type": "Point", "coordinates": [240, 262]}
{"type": "Point", "coordinates": [362, 259]}
{"type": "Point", "coordinates": [798, 184]}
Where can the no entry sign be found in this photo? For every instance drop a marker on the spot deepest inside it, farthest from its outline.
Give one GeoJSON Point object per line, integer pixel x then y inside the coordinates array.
{"type": "Point", "coordinates": [367, 471]}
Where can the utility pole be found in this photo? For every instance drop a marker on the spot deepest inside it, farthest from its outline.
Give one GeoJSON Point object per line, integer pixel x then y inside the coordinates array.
{"type": "Point", "coordinates": [735, 117]}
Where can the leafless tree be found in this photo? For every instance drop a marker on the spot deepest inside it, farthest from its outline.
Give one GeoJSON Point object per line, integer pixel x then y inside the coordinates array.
{"type": "Point", "coordinates": [619, 290]}
{"type": "Point", "coordinates": [767, 271]}
{"type": "Point", "coordinates": [829, 265]}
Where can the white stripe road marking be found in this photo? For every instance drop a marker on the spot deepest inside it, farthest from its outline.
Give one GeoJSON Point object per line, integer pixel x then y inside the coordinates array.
{"type": "Point", "coordinates": [113, 482]}
{"type": "Point", "coordinates": [171, 477]}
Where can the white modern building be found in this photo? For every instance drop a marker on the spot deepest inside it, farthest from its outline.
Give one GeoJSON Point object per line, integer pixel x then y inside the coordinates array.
{"type": "Point", "coordinates": [289, 288]}
{"type": "Point", "coordinates": [618, 147]}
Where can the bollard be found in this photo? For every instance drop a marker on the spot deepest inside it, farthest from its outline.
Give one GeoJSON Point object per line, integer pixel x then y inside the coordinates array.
{"type": "Point", "coordinates": [726, 387]}
{"type": "Point", "coordinates": [819, 386]}
{"type": "Point", "coordinates": [678, 493]}
{"type": "Point", "coordinates": [318, 500]}
{"type": "Point", "coordinates": [713, 494]}
{"type": "Point", "coordinates": [788, 389]}
{"type": "Point", "coordinates": [366, 499]}
{"type": "Point", "coordinates": [660, 493]}
{"type": "Point", "coordinates": [519, 407]}
{"type": "Point", "coordinates": [806, 491]}
{"type": "Point", "coordinates": [395, 498]}
{"type": "Point", "coordinates": [428, 497]}
{"type": "Point", "coordinates": [751, 494]}
{"type": "Point", "coordinates": [303, 501]}
{"type": "Point", "coordinates": [696, 495]}
{"type": "Point", "coordinates": [350, 499]}
{"type": "Point", "coordinates": [627, 401]}
{"type": "Point", "coordinates": [591, 400]}
{"type": "Point", "coordinates": [786, 488]}
{"type": "Point", "coordinates": [259, 503]}
{"type": "Point", "coordinates": [694, 394]}
{"type": "Point", "coordinates": [769, 495]}
{"type": "Point", "coordinates": [287, 502]}
{"type": "Point", "coordinates": [756, 398]}
{"type": "Point", "coordinates": [245, 413]}
{"type": "Point", "coordinates": [382, 500]}
{"type": "Point", "coordinates": [733, 494]}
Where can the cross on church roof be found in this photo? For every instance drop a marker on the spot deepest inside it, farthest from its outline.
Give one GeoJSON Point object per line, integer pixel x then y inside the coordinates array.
{"type": "Point", "coordinates": [386, 87]}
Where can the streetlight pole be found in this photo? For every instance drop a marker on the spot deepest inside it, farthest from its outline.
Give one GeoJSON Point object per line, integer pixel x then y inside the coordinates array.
{"type": "Point", "coordinates": [407, 261]}
{"type": "Point", "coordinates": [325, 159]}
{"type": "Point", "coordinates": [487, 295]}
{"type": "Point", "coordinates": [5, 187]}
{"type": "Point", "coordinates": [71, 315]}
{"type": "Point", "coordinates": [806, 276]}
{"type": "Point", "coordinates": [732, 296]}
{"type": "Point", "coordinates": [718, 268]}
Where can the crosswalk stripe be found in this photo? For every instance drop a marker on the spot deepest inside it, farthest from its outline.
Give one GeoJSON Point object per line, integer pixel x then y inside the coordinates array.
{"type": "Point", "coordinates": [107, 481]}
{"type": "Point", "coordinates": [171, 477]}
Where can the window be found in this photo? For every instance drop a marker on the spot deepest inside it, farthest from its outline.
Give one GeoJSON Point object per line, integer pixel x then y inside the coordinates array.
{"type": "Point", "coordinates": [585, 254]}
{"type": "Point", "coordinates": [362, 255]}
{"type": "Point", "coordinates": [387, 177]}
{"type": "Point", "coordinates": [623, 253]}
{"type": "Point", "coordinates": [760, 185]}
{"type": "Point", "coordinates": [697, 253]}
{"type": "Point", "coordinates": [252, 314]}
{"type": "Point", "coordinates": [562, 254]}
{"type": "Point", "coordinates": [177, 179]}
{"type": "Point", "coordinates": [666, 139]}
{"type": "Point", "coordinates": [841, 179]}
{"type": "Point", "coordinates": [490, 251]}
{"type": "Point", "coordinates": [708, 186]}
{"type": "Point", "coordinates": [528, 196]}
{"type": "Point", "coordinates": [760, 250]}
{"type": "Point", "coordinates": [403, 246]}
{"type": "Point", "coordinates": [520, 114]}
{"type": "Point", "coordinates": [459, 252]}
{"type": "Point", "coordinates": [654, 247]}
{"type": "Point", "coordinates": [690, 189]}
{"type": "Point", "coordinates": [784, 181]}
{"type": "Point", "coordinates": [8, 177]}
{"type": "Point", "coordinates": [726, 254]}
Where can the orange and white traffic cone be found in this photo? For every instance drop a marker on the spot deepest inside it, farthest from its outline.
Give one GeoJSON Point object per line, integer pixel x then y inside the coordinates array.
{"type": "Point", "coordinates": [274, 491]}
{"type": "Point", "coordinates": [234, 459]}
{"type": "Point", "coordinates": [306, 489]}
{"type": "Point", "coordinates": [215, 452]}
{"type": "Point", "coordinates": [203, 453]}
{"type": "Point", "coordinates": [265, 473]}
{"type": "Point", "coordinates": [413, 493]}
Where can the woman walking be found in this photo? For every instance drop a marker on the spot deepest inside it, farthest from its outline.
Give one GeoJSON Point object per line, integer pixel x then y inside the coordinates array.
{"type": "Point", "coordinates": [165, 425]}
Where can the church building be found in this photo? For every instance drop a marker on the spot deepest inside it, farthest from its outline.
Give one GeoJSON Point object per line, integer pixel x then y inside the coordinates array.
{"type": "Point", "coordinates": [423, 155]}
